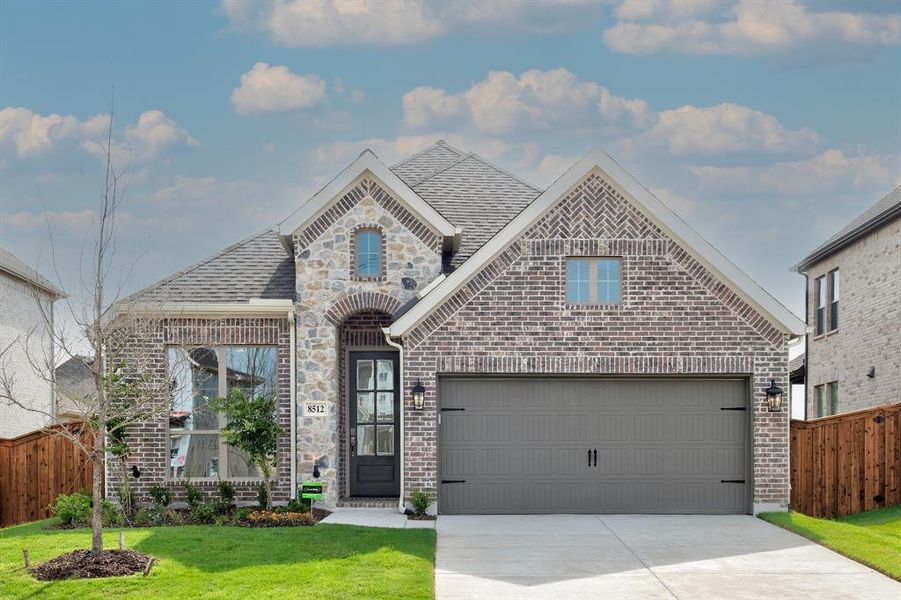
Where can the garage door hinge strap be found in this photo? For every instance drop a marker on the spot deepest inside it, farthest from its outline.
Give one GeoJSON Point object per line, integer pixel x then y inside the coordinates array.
{"type": "Point", "coordinates": [733, 408]}
{"type": "Point", "coordinates": [452, 409]}
{"type": "Point", "coordinates": [453, 481]}
{"type": "Point", "coordinates": [732, 480]}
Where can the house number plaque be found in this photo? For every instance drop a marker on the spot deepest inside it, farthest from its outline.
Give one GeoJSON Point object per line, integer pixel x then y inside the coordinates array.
{"type": "Point", "coordinates": [315, 409]}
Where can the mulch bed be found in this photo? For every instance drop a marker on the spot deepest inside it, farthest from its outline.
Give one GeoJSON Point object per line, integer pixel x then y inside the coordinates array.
{"type": "Point", "coordinates": [320, 513]}
{"type": "Point", "coordinates": [82, 564]}
{"type": "Point", "coordinates": [422, 517]}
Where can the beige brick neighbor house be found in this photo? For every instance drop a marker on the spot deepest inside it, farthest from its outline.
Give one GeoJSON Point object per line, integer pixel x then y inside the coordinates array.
{"type": "Point", "coordinates": [442, 325]}
{"type": "Point", "coordinates": [854, 313]}
{"type": "Point", "coordinates": [26, 306]}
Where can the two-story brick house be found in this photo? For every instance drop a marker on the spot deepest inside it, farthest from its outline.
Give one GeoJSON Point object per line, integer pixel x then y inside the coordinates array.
{"type": "Point", "coordinates": [854, 313]}
{"type": "Point", "coordinates": [442, 325]}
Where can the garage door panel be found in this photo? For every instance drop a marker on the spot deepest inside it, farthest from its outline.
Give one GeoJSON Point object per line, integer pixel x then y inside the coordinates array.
{"type": "Point", "coordinates": [662, 445]}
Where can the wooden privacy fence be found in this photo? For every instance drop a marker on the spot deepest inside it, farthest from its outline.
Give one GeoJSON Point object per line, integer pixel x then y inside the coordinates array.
{"type": "Point", "coordinates": [846, 463]}
{"type": "Point", "coordinates": [37, 467]}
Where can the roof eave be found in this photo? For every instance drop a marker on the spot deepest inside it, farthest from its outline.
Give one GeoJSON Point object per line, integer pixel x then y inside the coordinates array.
{"type": "Point", "coordinates": [849, 238]}
{"type": "Point", "coordinates": [53, 291]}
{"type": "Point", "coordinates": [740, 283]}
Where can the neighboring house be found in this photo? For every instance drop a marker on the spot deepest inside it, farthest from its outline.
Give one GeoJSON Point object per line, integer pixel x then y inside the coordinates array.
{"type": "Point", "coordinates": [442, 325]}
{"type": "Point", "coordinates": [854, 313]}
{"type": "Point", "coordinates": [74, 383]}
{"type": "Point", "coordinates": [26, 309]}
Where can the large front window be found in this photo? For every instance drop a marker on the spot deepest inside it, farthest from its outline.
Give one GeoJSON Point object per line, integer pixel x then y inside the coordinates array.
{"type": "Point", "coordinates": [196, 450]}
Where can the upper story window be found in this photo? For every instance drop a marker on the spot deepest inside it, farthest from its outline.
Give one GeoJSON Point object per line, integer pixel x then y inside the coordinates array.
{"type": "Point", "coordinates": [833, 299]}
{"type": "Point", "coordinates": [819, 400]}
{"type": "Point", "coordinates": [833, 398]}
{"type": "Point", "coordinates": [593, 280]}
{"type": "Point", "coordinates": [368, 257]}
{"type": "Point", "coordinates": [819, 285]}
{"type": "Point", "coordinates": [196, 448]}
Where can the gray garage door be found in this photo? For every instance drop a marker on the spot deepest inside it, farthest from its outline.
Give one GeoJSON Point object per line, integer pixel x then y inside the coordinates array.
{"type": "Point", "coordinates": [571, 445]}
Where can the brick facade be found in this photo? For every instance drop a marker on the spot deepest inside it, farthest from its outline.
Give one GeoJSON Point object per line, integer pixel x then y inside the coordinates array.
{"type": "Point", "coordinates": [869, 329]}
{"type": "Point", "coordinates": [22, 324]}
{"type": "Point", "coordinates": [149, 441]}
{"type": "Point", "coordinates": [675, 318]}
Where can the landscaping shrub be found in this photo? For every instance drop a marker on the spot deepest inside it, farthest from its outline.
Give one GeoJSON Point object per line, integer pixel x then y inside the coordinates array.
{"type": "Point", "coordinates": [268, 518]}
{"type": "Point", "coordinates": [174, 517]}
{"type": "Point", "coordinates": [226, 491]}
{"type": "Point", "coordinates": [193, 496]}
{"type": "Point", "coordinates": [262, 496]}
{"type": "Point", "coordinates": [74, 510]}
{"type": "Point", "coordinates": [421, 501]}
{"type": "Point", "coordinates": [203, 513]}
{"type": "Point", "coordinates": [161, 495]}
{"type": "Point", "coordinates": [142, 518]}
{"type": "Point", "coordinates": [242, 514]}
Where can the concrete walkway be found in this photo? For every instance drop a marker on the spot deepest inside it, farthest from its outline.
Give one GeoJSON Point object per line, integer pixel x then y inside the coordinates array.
{"type": "Point", "coordinates": [641, 556]}
{"type": "Point", "coordinates": [375, 517]}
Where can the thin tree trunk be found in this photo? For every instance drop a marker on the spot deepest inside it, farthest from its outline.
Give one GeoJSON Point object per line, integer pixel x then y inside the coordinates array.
{"type": "Point", "coordinates": [97, 495]}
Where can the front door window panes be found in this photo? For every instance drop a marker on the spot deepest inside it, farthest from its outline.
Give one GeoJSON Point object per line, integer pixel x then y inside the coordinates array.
{"type": "Point", "coordinates": [375, 407]}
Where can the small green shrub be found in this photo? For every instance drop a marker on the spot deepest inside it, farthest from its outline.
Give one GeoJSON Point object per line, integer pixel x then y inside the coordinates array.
{"type": "Point", "coordinates": [262, 496]}
{"type": "Point", "coordinates": [267, 518]}
{"type": "Point", "coordinates": [174, 517]}
{"type": "Point", "coordinates": [142, 518]}
{"type": "Point", "coordinates": [226, 492]}
{"type": "Point", "coordinates": [161, 495]}
{"type": "Point", "coordinates": [193, 496]}
{"type": "Point", "coordinates": [421, 501]}
{"type": "Point", "coordinates": [203, 513]}
{"type": "Point", "coordinates": [242, 514]}
{"type": "Point", "coordinates": [127, 498]}
{"type": "Point", "coordinates": [74, 510]}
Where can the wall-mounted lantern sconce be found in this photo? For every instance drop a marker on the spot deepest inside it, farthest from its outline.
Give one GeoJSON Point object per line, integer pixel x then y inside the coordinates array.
{"type": "Point", "coordinates": [135, 472]}
{"type": "Point", "coordinates": [418, 395]}
{"type": "Point", "coordinates": [774, 397]}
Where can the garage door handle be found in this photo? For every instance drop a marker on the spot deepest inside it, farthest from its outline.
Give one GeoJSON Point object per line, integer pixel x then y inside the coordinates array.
{"type": "Point", "coordinates": [595, 457]}
{"type": "Point", "coordinates": [732, 480]}
{"type": "Point", "coordinates": [589, 457]}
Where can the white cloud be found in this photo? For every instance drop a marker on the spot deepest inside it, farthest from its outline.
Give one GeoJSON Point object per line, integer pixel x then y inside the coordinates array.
{"type": "Point", "coordinates": [745, 27]}
{"type": "Point", "coordinates": [153, 134]}
{"type": "Point", "coordinates": [75, 222]}
{"type": "Point", "coordinates": [32, 134]}
{"type": "Point", "coordinates": [828, 171]}
{"type": "Point", "coordinates": [503, 102]}
{"type": "Point", "coordinates": [267, 88]}
{"type": "Point", "coordinates": [720, 128]}
{"type": "Point", "coordinates": [391, 22]}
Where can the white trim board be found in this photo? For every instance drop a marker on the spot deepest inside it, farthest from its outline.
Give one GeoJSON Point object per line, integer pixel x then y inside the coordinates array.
{"type": "Point", "coordinates": [367, 161]}
{"type": "Point", "coordinates": [258, 307]}
{"type": "Point", "coordinates": [661, 215]}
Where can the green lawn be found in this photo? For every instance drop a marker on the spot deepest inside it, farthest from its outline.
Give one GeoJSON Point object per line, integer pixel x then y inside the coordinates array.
{"type": "Point", "coordinates": [872, 538]}
{"type": "Point", "coordinates": [325, 561]}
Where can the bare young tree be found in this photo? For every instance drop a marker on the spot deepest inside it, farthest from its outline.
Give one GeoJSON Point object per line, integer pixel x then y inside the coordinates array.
{"type": "Point", "coordinates": [127, 386]}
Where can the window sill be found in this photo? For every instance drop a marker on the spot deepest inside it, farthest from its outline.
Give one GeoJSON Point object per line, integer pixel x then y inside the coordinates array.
{"type": "Point", "coordinates": [211, 482]}
{"type": "Point", "coordinates": [375, 278]}
{"type": "Point", "coordinates": [822, 336]}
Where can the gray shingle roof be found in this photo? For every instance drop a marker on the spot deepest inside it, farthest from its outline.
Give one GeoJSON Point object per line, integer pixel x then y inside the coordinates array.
{"type": "Point", "coordinates": [255, 267]}
{"type": "Point", "coordinates": [468, 191]}
{"type": "Point", "coordinates": [75, 380]}
{"type": "Point", "coordinates": [884, 210]}
{"type": "Point", "coordinates": [14, 266]}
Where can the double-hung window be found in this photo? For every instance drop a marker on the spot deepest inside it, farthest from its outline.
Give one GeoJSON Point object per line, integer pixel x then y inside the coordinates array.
{"type": "Point", "coordinates": [833, 299]}
{"type": "Point", "coordinates": [196, 448]}
{"type": "Point", "coordinates": [820, 297]}
{"type": "Point", "coordinates": [820, 401]}
{"type": "Point", "coordinates": [368, 253]}
{"type": "Point", "coordinates": [833, 397]}
{"type": "Point", "coordinates": [592, 280]}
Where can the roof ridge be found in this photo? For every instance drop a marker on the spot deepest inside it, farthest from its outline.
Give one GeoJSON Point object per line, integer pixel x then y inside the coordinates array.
{"type": "Point", "coordinates": [197, 265]}
{"type": "Point", "coordinates": [443, 169]}
{"type": "Point", "coordinates": [412, 157]}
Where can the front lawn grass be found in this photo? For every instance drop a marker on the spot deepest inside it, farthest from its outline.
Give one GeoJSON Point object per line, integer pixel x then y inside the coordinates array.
{"type": "Point", "coordinates": [325, 561]}
{"type": "Point", "coordinates": [872, 538]}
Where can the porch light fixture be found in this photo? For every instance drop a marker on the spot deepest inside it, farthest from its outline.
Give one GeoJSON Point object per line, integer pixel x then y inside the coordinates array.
{"type": "Point", "coordinates": [418, 395]}
{"type": "Point", "coordinates": [774, 397]}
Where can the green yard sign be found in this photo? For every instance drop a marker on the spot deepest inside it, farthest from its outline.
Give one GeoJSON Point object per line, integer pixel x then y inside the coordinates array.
{"type": "Point", "coordinates": [311, 490]}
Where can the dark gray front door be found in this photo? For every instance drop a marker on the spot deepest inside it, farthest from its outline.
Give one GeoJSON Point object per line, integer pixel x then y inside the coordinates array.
{"type": "Point", "coordinates": [582, 445]}
{"type": "Point", "coordinates": [374, 401]}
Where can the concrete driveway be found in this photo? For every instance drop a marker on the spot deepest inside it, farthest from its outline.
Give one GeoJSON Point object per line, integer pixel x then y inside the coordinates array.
{"type": "Point", "coordinates": [641, 556]}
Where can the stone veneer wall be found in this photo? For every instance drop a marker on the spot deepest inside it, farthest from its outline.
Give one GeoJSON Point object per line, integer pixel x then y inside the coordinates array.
{"type": "Point", "coordinates": [328, 293]}
{"type": "Point", "coordinates": [869, 326]}
{"type": "Point", "coordinates": [674, 318]}
{"type": "Point", "coordinates": [148, 440]}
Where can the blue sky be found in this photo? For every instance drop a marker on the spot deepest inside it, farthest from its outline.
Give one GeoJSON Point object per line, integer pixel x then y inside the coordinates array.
{"type": "Point", "coordinates": [766, 126]}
